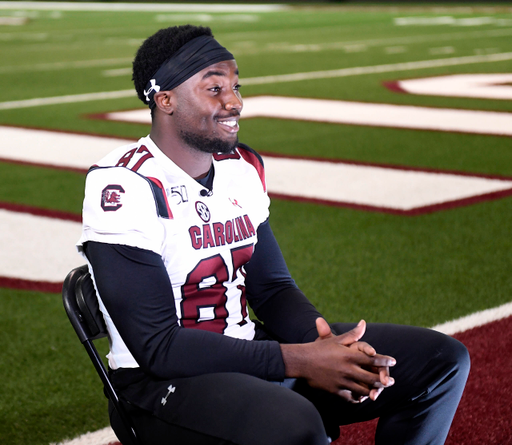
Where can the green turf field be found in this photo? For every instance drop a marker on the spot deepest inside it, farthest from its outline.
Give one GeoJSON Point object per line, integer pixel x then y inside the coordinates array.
{"type": "Point", "coordinates": [353, 264]}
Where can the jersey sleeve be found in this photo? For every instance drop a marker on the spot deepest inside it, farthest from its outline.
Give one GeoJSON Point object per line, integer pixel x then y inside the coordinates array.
{"type": "Point", "coordinates": [121, 207]}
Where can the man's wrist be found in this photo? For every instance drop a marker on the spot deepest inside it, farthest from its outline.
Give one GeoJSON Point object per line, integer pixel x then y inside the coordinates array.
{"type": "Point", "coordinates": [295, 360]}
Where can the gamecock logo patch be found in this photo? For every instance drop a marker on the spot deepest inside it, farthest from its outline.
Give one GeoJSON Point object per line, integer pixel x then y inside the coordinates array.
{"type": "Point", "coordinates": [111, 198]}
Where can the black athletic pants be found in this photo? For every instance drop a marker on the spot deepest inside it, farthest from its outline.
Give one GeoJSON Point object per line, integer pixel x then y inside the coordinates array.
{"type": "Point", "coordinates": [232, 408]}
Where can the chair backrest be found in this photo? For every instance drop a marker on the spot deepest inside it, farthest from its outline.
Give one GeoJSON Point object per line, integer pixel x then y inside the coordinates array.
{"type": "Point", "coordinates": [82, 308]}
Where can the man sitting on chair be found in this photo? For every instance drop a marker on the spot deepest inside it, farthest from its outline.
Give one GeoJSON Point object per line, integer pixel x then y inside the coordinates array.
{"type": "Point", "coordinates": [178, 241]}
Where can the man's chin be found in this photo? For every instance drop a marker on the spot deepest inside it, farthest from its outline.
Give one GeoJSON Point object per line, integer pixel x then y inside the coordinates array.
{"type": "Point", "coordinates": [209, 145]}
{"type": "Point", "coordinates": [228, 147]}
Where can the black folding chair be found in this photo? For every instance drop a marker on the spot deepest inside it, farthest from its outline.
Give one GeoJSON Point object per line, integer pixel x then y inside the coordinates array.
{"type": "Point", "coordinates": [83, 310]}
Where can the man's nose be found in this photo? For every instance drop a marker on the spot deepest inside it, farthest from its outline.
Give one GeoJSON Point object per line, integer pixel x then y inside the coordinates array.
{"type": "Point", "coordinates": [233, 102]}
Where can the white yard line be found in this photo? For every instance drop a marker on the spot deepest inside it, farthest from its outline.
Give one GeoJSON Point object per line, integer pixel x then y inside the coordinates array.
{"type": "Point", "coordinates": [344, 72]}
{"type": "Point", "coordinates": [142, 7]}
{"type": "Point", "coordinates": [474, 320]}
{"type": "Point", "coordinates": [482, 86]}
{"type": "Point", "coordinates": [104, 436]}
{"type": "Point", "coordinates": [73, 98]}
{"type": "Point", "coordinates": [374, 187]}
{"type": "Point", "coordinates": [54, 66]}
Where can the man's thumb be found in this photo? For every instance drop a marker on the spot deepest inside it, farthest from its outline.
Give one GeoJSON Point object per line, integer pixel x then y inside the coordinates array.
{"type": "Point", "coordinates": [354, 334]}
{"type": "Point", "coordinates": [323, 328]}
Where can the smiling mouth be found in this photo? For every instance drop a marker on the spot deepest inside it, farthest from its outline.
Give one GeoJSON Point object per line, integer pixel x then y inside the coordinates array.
{"type": "Point", "coordinates": [230, 125]}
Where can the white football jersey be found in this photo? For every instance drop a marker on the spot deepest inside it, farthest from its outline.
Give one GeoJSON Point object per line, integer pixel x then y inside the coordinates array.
{"type": "Point", "coordinates": [138, 197]}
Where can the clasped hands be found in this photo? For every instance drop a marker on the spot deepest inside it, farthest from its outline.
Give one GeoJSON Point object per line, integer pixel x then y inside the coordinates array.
{"type": "Point", "coordinates": [356, 372]}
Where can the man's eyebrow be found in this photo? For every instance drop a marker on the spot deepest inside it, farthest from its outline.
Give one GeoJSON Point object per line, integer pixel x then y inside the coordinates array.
{"type": "Point", "coordinates": [216, 73]}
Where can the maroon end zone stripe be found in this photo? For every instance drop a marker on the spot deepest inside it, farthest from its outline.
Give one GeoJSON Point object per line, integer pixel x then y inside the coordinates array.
{"type": "Point", "coordinates": [30, 285]}
{"type": "Point", "coordinates": [394, 86]}
{"type": "Point", "coordinates": [485, 411]}
{"type": "Point", "coordinates": [413, 212]}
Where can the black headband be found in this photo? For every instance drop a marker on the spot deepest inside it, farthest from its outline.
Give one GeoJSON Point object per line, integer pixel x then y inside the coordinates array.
{"type": "Point", "coordinates": [191, 58]}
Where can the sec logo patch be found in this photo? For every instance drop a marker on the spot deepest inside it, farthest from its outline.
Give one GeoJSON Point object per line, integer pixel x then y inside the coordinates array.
{"type": "Point", "coordinates": [203, 211]}
{"type": "Point", "coordinates": [111, 198]}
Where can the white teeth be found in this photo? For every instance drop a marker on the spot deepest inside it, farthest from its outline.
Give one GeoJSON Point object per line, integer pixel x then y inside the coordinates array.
{"type": "Point", "coordinates": [229, 123]}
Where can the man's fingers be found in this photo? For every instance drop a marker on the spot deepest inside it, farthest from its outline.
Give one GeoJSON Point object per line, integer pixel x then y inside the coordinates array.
{"type": "Point", "coordinates": [354, 392]}
{"type": "Point", "coordinates": [323, 328]}
{"type": "Point", "coordinates": [364, 347]}
{"type": "Point", "coordinates": [385, 378]}
{"type": "Point", "coordinates": [353, 335]}
{"type": "Point", "coordinates": [348, 396]}
{"type": "Point", "coordinates": [375, 392]}
{"type": "Point", "coordinates": [382, 361]}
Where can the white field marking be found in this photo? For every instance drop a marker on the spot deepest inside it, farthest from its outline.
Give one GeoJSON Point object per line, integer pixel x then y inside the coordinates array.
{"type": "Point", "coordinates": [54, 66]}
{"type": "Point", "coordinates": [482, 86]}
{"type": "Point", "coordinates": [141, 7]}
{"type": "Point", "coordinates": [55, 148]}
{"type": "Point", "coordinates": [13, 21]}
{"type": "Point", "coordinates": [474, 320]}
{"type": "Point", "coordinates": [74, 98]}
{"type": "Point", "coordinates": [207, 18]}
{"type": "Point", "coordinates": [379, 187]}
{"type": "Point", "coordinates": [442, 50]}
{"type": "Point", "coordinates": [395, 49]}
{"type": "Point", "coordinates": [104, 436]}
{"type": "Point", "coordinates": [357, 113]}
{"type": "Point", "coordinates": [37, 248]}
{"type": "Point", "coordinates": [117, 72]}
{"type": "Point", "coordinates": [24, 36]}
{"type": "Point", "coordinates": [451, 21]}
{"type": "Point", "coordinates": [344, 72]}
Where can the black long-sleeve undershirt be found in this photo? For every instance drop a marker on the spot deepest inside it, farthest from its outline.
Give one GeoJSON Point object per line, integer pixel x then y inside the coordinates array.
{"type": "Point", "coordinates": [273, 295]}
{"type": "Point", "coordinates": [137, 293]}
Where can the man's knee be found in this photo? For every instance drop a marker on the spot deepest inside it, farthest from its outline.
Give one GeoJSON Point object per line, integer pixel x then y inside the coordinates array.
{"type": "Point", "coordinates": [457, 357]}
{"type": "Point", "coordinates": [302, 425]}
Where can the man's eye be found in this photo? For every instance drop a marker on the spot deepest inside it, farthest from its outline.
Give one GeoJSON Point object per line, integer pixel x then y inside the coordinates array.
{"type": "Point", "coordinates": [215, 89]}
{"type": "Point", "coordinates": [237, 87]}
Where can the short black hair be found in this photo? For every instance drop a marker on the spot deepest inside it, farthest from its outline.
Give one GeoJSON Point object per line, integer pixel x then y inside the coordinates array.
{"type": "Point", "coordinates": [159, 47]}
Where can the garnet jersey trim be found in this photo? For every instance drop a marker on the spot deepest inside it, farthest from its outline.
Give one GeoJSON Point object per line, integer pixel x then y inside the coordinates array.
{"type": "Point", "coordinates": [250, 156]}
{"type": "Point", "coordinates": [253, 158]}
{"type": "Point", "coordinates": [160, 198]}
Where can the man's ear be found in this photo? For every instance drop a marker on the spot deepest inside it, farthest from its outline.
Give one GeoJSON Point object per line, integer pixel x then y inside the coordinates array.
{"type": "Point", "coordinates": [165, 101]}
